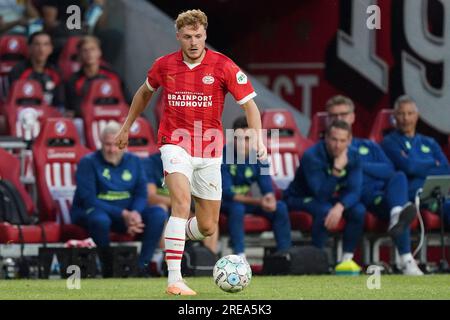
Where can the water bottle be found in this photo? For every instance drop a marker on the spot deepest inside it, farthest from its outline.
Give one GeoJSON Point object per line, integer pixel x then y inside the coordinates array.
{"type": "Point", "coordinates": [9, 268]}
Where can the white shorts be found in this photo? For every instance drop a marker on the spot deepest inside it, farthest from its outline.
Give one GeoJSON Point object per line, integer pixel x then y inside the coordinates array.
{"type": "Point", "coordinates": [204, 174]}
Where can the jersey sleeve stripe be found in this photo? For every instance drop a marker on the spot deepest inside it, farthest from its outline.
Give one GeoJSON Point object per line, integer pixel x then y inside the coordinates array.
{"type": "Point", "coordinates": [149, 86]}
{"type": "Point", "coordinates": [247, 98]}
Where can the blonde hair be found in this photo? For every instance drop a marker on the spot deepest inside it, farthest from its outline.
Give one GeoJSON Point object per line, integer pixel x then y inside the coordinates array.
{"type": "Point", "coordinates": [86, 39]}
{"type": "Point", "coordinates": [193, 18]}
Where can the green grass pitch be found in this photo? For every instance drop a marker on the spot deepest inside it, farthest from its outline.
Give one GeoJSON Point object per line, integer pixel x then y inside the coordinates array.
{"type": "Point", "coordinates": [260, 288]}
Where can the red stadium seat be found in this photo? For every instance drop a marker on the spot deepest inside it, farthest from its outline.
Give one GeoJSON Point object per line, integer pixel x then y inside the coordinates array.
{"type": "Point", "coordinates": [375, 225]}
{"type": "Point", "coordinates": [284, 154]}
{"type": "Point", "coordinates": [104, 102]}
{"type": "Point", "coordinates": [318, 126]}
{"type": "Point", "coordinates": [68, 59]}
{"type": "Point", "coordinates": [252, 224]}
{"type": "Point", "coordinates": [431, 220]}
{"type": "Point", "coordinates": [26, 94]}
{"type": "Point", "coordinates": [383, 123]}
{"type": "Point", "coordinates": [57, 152]}
{"type": "Point", "coordinates": [13, 48]}
{"type": "Point", "coordinates": [26, 111]}
{"type": "Point", "coordinates": [10, 170]}
{"type": "Point", "coordinates": [141, 140]}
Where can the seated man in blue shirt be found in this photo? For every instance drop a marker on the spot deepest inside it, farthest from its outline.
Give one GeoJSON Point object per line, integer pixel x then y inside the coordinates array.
{"type": "Point", "coordinates": [240, 170]}
{"type": "Point", "coordinates": [111, 194]}
{"type": "Point", "coordinates": [328, 185]}
{"type": "Point", "coordinates": [418, 156]}
{"type": "Point", "coordinates": [384, 190]}
{"type": "Point", "coordinates": [158, 193]}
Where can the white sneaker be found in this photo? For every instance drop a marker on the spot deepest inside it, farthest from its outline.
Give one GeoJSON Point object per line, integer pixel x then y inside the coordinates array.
{"type": "Point", "coordinates": [402, 219]}
{"type": "Point", "coordinates": [410, 268]}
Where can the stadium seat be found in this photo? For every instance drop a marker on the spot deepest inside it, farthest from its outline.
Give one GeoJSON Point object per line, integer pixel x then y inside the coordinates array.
{"type": "Point", "coordinates": [104, 102]}
{"type": "Point", "coordinates": [384, 123]}
{"type": "Point", "coordinates": [68, 59]}
{"type": "Point", "coordinates": [284, 154]}
{"type": "Point", "coordinates": [57, 152]}
{"type": "Point", "coordinates": [10, 170]}
{"type": "Point", "coordinates": [13, 48]}
{"type": "Point", "coordinates": [141, 139]}
{"type": "Point", "coordinates": [25, 94]}
{"type": "Point", "coordinates": [318, 125]}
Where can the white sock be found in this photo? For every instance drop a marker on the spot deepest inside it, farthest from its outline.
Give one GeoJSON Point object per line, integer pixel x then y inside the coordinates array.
{"type": "Point", "coordinates": [347, 256]}
{"type": "Point", "coordinates": [396, 210]}
{"type": "Point", "coordinates": [174, 239]}
{"type": "Point", "coordinates": [406, 257]}
{"type": "Point", "coordinates": [192, 230]}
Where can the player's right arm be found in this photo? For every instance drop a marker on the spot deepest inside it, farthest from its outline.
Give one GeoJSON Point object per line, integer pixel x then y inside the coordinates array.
{"type": "Point", "coordinates": [140, 101]}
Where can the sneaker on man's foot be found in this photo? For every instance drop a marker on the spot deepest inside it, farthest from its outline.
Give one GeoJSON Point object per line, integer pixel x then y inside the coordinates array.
{"type": "Point", "coordinates": [402, 219]}
{"type": "Point", "coordinates": [410, 268]}
{"type": "Point", "coordinates": [180, 288]}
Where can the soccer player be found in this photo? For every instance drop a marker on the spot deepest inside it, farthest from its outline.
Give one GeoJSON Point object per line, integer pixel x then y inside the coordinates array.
{"type": "Point", "coordinates": [418, 156]}
{"type": "Point", "coordinates": [195, 81]}
{"type": "Point", "coordinates": [328, 186]}
{"type": "Point", "coordinates": [384, 191]}
{"type": "Point", "coordinates": [158, 194]}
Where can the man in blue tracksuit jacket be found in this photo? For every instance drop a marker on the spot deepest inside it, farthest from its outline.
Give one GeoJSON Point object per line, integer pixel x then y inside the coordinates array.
{"type": "Point", "coordinates": [111, 194]}
{"type": "Point", "coordinates": [328, 186]}
{"type": "Point", "coordinates": [239, 172]}
{"type": "Point", "coordinates": [384, 190]}
{"type": "Point", "coordinates": [418, 156]}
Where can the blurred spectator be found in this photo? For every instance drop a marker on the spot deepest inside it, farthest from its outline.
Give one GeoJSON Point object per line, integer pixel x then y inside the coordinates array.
{"type": "Point", "coordinates": [16, 15]}
{"type": "Point", "coordinates": [91, 68]}
{"type": "Point", "coordinates": [55, 27]}
{"type": "Point", "coordinates": [158, 193]}
{"type": "Point", "coordinates": [111, 195]}
{"type": "Point", "coordinates": [38, 68]}
{"type": "Point", "coordinates": [418, 156]}
{"type": "Point", "coordinates": [328, 186]}
{"type": "Point", "coordinates": [384, 191]}
{"type": "Point", "coordinates": [237, 179]}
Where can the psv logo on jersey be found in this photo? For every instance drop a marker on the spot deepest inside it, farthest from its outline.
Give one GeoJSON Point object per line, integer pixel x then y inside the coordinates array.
{"type": "Point", "coordinates": [208, 79]}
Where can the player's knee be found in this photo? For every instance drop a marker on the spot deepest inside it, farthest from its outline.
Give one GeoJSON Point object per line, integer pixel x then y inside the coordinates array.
{"type": "Point", "coordinates": [99, 221]}
{"type": "Point", "coordinates": [208, 230]}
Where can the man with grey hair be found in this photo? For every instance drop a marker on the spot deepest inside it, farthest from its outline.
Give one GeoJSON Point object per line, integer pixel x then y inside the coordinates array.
{"type": "Point", "coordinates": [417, 155]}
{"type": "Point", "coordinates": [384, 190]}
{"type": "Point", "coordinates": [111, 195]}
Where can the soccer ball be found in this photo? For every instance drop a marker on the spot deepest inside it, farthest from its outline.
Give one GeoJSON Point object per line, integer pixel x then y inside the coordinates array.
{"type": "Point", "coordinates": [232, 273]}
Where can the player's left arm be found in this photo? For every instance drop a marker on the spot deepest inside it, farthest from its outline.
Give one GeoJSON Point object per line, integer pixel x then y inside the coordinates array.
{"type": "Point", "coordinates": [254, 122]}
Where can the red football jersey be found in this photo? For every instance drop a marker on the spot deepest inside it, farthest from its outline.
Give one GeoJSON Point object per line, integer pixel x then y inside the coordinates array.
{"type": "Point", "coordinates": [193, 97]}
